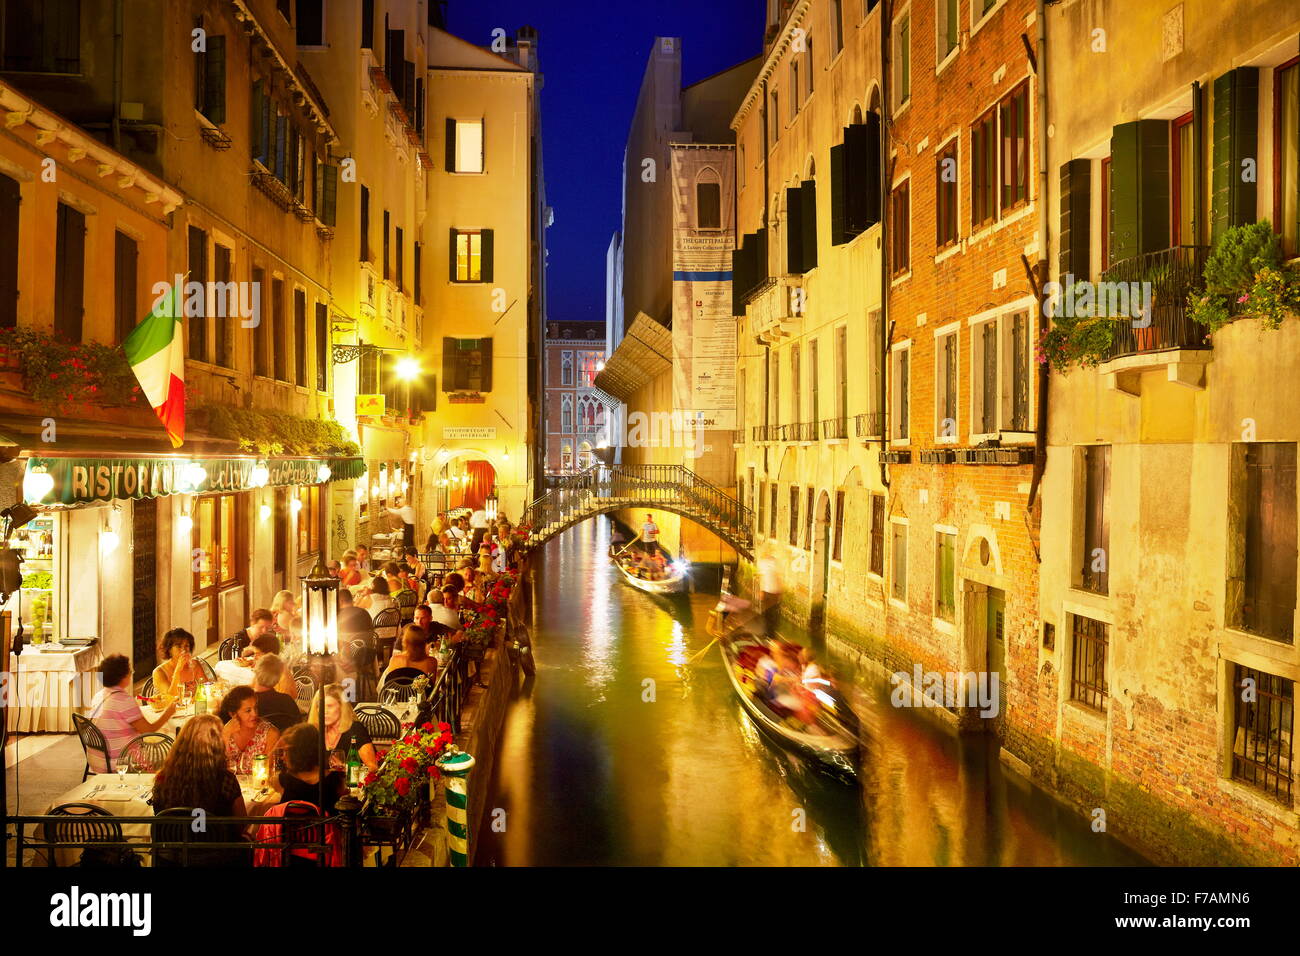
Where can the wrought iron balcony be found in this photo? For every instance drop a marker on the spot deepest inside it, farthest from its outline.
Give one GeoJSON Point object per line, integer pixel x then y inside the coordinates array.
{"type": "Point", "coordinates": [870, 425]}
{"type": "Point", "coordinates": [1173, 274]}
{"type": "Point", "coordinates": [833, 428]}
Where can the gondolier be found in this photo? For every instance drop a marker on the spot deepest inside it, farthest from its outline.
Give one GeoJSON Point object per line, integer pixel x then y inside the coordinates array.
{"type": "Point", "coordinates": [649, 537]}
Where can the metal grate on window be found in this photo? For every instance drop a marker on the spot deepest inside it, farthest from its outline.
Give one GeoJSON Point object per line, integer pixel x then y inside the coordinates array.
{"type": "Point", "coordinates": [1088, 663]}
{"type": "Point", "coordinates": [1264, 721]}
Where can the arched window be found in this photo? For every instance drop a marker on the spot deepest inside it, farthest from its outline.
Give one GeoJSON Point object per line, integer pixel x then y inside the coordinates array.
{"type": "Point", "coordinates": [586, 458]}
{"type": "Point", "coordinates": [566, 414]}
{"type": "Point", "coordinates": [566, 368]}
{"type": "Point", "coordinates": [708, 200]}
{"type": "Point", "coordinates": [566, 459]}
{"type": "Point", "coordinates": [591, 415]}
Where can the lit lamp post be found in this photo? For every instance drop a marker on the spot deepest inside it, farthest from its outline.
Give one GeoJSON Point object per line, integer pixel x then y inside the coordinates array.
{"type": "Point", "coordinates": [320, 635]}
{"type": "Point", "coordinates": [490, 505]}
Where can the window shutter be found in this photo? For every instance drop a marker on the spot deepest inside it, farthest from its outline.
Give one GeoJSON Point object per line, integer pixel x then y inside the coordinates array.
{"type": "Point", "coordinates": [1076, 231]}
{"type": "Point", "coordinates": [408, 90]}
{"type": "Point", "coordinates": [739, 274]}
{"type": "Point", "coordinates": [839, 196]}
{"type": "Point", "coordinates": [1236, 139]}
{"type": "Point", "coordinates": [449, 364]}
{"type": "Point", "coordinates": [329, 188]}
{"type": "Point", "coordinates": [10, 198]}
{"type": "Point", "coordinates": [257, 141]}
{"type": "Point", "coordinates": [1153, 185]}
{"type": "Point", "coordinates": [485, 351]}
{"type": "Point", "coordinates": [281, 147]}
{"type": "Point", "coordinates": [872, 186]}
{"type": "Point", "coordinates": [268, 131]}
{"type": "Point", "coordinates": [793, 231]}
{"type": "Point", "coordinates": [1139, 189]}
{"type": "Point", "coordinates": [367, 24]}
{"type": "Point", "coordinates": [808, 234]}
{"type": "Point", "coordinates": [451, 145]}
{"type": "Point", "coordinates": [69, 274]}
{"type": "Point", "coordinates": [759, 259]}
{"type": "Point", "coordinates": [857, 178]}
{"type": "Point", "coordinates": [486, 255]}
{"type": "Point", "coordinates": [451, 257]}
{"type": "Point", "coordinates": [214, 80]}
{"type": "Point", "coordinates": [419, 106]}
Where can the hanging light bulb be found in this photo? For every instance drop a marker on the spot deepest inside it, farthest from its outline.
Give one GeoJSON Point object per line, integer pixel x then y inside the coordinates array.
{"type": "Point", "coordinates": [108, 541]}
{"type": "Point", "coordinates": [260, 476]}
{"type": "Point", "coordinates": [37, 485]}
{"type": "Point", "coordinates": [295, 506]}
{"type": "Point", "coordinates": [184, 525]}
{"type": "Point", "coordinates": [264, 512]}
{"type": "Point", "coordinates": [194, 474]}
{"type": "Point", "coordinates": [323, 474]}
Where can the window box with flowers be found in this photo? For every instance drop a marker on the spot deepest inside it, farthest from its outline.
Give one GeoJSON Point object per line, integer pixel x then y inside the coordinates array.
{"type": "Point", "coordinates": [1246, 276]}
{"type": "Point", "coordinates": [65, 375]}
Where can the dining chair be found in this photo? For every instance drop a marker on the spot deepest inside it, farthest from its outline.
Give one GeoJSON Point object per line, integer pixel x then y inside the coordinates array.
{"type": "Point", "coordinates": [380, 722]}
{"type": "Point", "coordinates": [209, 674]}
{"type": "Point", "coordinates": [297, 836]}
{"type": "Point", "coordinates": [176, 825]}
{"type": "Point", "coordinates": [386, 626]}
{"type": "Point", "coordinates": [228, 650]}
{"type": "Point", "coordinates": [85, 824]}
{"type": "Point", "coordinates": [283, 722]}
{"type": "Point", "coordinates": [306, 688]}
{"type": "Point", "coordinates": [397, 688]}
{"type": "Point", "coordinates": [146, 753]}
{"type": "Point", "coordinates": [147, 688]}
{"type": "Point", "coordinates": [92, 738]}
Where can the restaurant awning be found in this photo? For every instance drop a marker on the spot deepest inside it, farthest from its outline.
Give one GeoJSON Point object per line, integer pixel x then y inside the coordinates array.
{"type": "Point", "coordinates": [644, 354]}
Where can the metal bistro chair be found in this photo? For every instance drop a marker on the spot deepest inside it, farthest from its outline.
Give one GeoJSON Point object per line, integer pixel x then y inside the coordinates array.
{"type": "Point", "coordinates": [306, 689]}
{"type": "Point", "coordinates": [85, 824]}
{"type": "Point", "coordinates": [397, 688]}
{"type": "Point", "coordinates": [435, 564]}
{"type": "Point", "coordinates": [387, 623]}
{"type": "Point", "coordinates": [92, 738]}
{"type": "Point", "coordinates": [380, 722]}
{"type": "Point", "coordinates": [208, 673]}
{"type": "Point", "coordinates": [359, 651]}
{"type": "Point", "coordinates": [406, 602]}
{"type": "Point", "coordinates": [147, 689]}
{"type": "Point", "coordinates": [230, 648]}
{"type": "Point", "coordinates": [295, 836]}
{"type": "Point", "coordinates": [146, 753]}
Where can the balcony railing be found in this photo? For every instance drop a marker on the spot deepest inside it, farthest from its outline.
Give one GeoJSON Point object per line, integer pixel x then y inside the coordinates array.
{"type": "Point", "coordinates": [870, 425]}
{"type": "Point", "coordinates": [765, 432]}
{"type": "Point", "coordinates": [833, 428]}
{"type": "Point", "coordinates": [1173, 274]}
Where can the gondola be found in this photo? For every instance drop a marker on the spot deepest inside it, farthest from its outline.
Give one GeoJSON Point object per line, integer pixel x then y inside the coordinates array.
{"type": "Point", "coordinates": [673, 582]}
{"type": "Point", "coordinates": [830, 745]}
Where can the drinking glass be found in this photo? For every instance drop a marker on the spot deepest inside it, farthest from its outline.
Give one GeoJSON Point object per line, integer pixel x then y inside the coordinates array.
{"type": "Point", "coordinates": [121, 773]}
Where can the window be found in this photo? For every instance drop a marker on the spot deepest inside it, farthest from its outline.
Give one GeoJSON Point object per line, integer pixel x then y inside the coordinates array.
{"type": "Point", "coordinates": [945, 196]}
{"type": "Point", "coordinates": [945, 576]}
{"type": "Point", "coordinates": [367, 24]}
{"type": "Point", "coordinates": [197, 323]}
{"type": "Point", "coordinates": [466, 365]}
{"type": "Point", "coordinates": [900, 238]}
{"type": "Point", "coordinates": [215, 538]}
{"type": "Point", "coordinates": [708, 204]}
{"type": "Point", "coordinates": [311, 22]}
{"type": "Point", "coordinates": [775, 113]}
{"type": "Point", "coordinates": [899, 400]}
{"type": "Point", "coordinates": [983, 161]}
{"type": "Point", "coordinates": [774, 388]}
{"type": "Point", "coordinates": [322, 347]}
{"type": "Point", "coordinates": [566, 459]}
{"type": "Point", "coordinates": [365, 224]}
{"type": "Point", "coordinates": [401, 265]}
{"type": "Point", "coordinates": [945, 407]}
{"type": "Point", "coordinates": [814, 390]}
{"type": "Point", "coordinates": [898, 562]}
{"type": "Point", "coordinates": [812, 71]}
{"type": "Point", "coordinates": [809, 521]}
{"type": "Point", "coordinates": [299, 337]}
{"type": "Point", "coordinates": [795, 385]}
{"type": "Point", "coordinates": [279, 337]}
{"type": "Point", "coordinates": [1286, 155]}
{"type": "Point", "coordinates": [1183, 182]}
{"type": "Point", "coordinates": [771, 530]}
{"type": "Point", "coordinates": [876, 558]}
{"type": "Point", "coordinates": [587, 368]}
{"type": "Point", "coordinates": [308, 519]}
{"type": "Point", "coordinates": [1094, 571]}
{"type": "Point", "coordinates": [566, 414]}
{"type": "Point", "coordinates": [794, 516]}
{"type": "Point", "coordinates": [225, 305]}
{"type": "Point", "coordinates": [945, 28]}
{"type": "Point", "coordinates": [42, 36]}
{"type": "Point", "coordinates": [210, 79]}
{"type": "Point", "coordinates": [591, 415]}
{"type": "Point", "coordinates": [979, 9]}
{"type": "Point", "coordinates": [10, 199]}
{"type": "Point", "coordinates": [1000, 382]}
{"type": "Point", "coordinates": [261, 332]}
{"type": "Point", "coordinates": [1014, 120]}
{"type": "Point", "coordinates": [464, 146]}
{"type": "Point", "coordinates": [566, 368]}
{"type": "Point", "coordinates": [842, 378]}
{"type": "Point", "coordinates": [386, 247]}
{"type": "Point", "coordinates": [762, 502]}
{"type": "Point", "coordinates": [261, 131]}
{"type": "Point", "coordinates": [471, 254]}
{"type": "Point", "coordinates": [1263, 730]}
{"type": "Point", "coordinates": [69, 274]}
{"type": "Point", "coordinates": [418, 295]}
{"type": "Point", "coordinates": [902, 61]}
{"type": "Point", "coordinates": [837, 550]}
{"type": "Point", "coordinates": [794, 88]}
{"type": "Point", "coordinates": [1016, 386]}
{"type": "Point", "coordinates": [1265, 479]}
{"type": "Point", "coordinates": [1088, 663]}
{"type": "Point", "coordinates": [837, 27]}
{"type": "Point", "coordinates": [126, 259]}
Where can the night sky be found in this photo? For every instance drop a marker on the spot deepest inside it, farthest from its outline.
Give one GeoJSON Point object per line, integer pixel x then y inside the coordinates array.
{"type": "Point", "coordinates": [593, 55]}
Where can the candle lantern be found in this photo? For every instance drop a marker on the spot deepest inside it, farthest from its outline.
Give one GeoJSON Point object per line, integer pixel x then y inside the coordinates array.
{"type": "Point", "coordinates": [320, 605]}
{"type": "Point", "coordinates": [261, 770]}
{"type": "Point", "coordinates": [490, 506]}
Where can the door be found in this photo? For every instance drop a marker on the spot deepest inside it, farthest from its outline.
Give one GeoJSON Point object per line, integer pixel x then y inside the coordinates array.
{"type": "Point", "coordinates": [995, 634]}
{"type": "Point", "coordinates": [821, 573]}
{"type": "Point", "coordinates": [144, 598]}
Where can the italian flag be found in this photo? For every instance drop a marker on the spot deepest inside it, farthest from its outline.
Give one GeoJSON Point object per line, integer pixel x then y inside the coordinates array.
{"type": "Point", "coordinates": [156, 351]}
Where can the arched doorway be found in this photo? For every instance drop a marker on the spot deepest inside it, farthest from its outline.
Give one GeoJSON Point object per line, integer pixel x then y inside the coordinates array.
{"type": "Point", "coordinates": [586, 457]}
{"type": "Point", "coordinates": [465, 483]}
{"type": "Point", "coordinates": [821, 570]}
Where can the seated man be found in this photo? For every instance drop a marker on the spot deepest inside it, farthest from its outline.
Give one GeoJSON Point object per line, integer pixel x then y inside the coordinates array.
{"type": "Point", "coordinates": [260, 622]}
{"type": "Point", "coordinates": [115, 712]}
{"type": "Point", "coordinates": [280, 708]}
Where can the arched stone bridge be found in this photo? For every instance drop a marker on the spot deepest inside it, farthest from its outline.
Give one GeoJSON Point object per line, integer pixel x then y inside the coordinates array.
{"type": "Point", "coordinates": [674, 488]}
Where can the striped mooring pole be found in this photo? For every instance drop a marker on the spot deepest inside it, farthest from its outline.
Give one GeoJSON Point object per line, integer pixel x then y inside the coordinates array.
{"type": "Point", "coordinates": [455, 765]}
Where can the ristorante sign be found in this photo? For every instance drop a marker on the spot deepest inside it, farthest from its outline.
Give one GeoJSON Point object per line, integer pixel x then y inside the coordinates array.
{"type": "Point", "coordinates": [73, 481]}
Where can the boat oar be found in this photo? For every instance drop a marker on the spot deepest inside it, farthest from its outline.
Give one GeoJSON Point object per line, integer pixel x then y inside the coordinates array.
{"type": "Point", "coordinates": [696, 657]}
{"type": "Point", "coordinates": [626, 546]}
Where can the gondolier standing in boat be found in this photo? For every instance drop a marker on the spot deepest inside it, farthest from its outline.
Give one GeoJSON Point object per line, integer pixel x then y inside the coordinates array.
{"type": "Point", "coordinates": [769, 586]}
{"type": "Point", "coordinates": [649, 537]}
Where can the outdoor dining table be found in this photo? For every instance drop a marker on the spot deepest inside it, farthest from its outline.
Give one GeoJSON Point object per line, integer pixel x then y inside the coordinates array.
{"type": "Point", "coordinates": [127, 795]}
{"type": "Point", "coordinates": [49, 686]}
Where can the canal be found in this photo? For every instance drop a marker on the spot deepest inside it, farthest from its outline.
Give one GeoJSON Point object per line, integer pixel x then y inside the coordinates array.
{"type": "Point", "coordinates": [618, 753]}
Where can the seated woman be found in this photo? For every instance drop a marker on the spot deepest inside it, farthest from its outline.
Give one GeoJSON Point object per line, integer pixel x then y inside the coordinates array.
{"type": "Point", "coordinates": [376, 599]}
{"type": "Point", "coordinates": [414, 653]}
{"type": "Point", "coordinates": [179, 670]}
{"type": "Point", "coordinates": [259, 648]}
{"type": "Point", "coordinates": [342, 731]}
{"type": "Point", "coordinates": [413, 562]}
{"type": "Point", "coordinates": [246, 735]}
{"type": "Point", "coordinates": [300, 779]}
{"type": "Point", "coordinates": [285, 608]}
{"type": "Point", "coordinates": [196, 776]}
{"type": "Point", "coordinates": [351, 574]}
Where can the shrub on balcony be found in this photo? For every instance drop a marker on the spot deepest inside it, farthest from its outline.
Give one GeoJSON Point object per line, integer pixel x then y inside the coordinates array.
{"type": "Point", "coordinates": [277, 433]}
{"type": "Point", "coordinates": [65, 375]}
{"type": "Point", "coordinates": [1082, 331]}
{"type": "Point", "coordinates": [1246, 277]}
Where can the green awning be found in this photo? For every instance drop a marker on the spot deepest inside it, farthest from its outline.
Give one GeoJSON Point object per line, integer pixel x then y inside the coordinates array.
{"type": "Point", "coordinates": [74, 481]}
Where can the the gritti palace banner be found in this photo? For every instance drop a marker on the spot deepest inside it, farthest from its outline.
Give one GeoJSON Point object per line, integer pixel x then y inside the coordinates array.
{"type": "Point", "coordinates": [704, 331]}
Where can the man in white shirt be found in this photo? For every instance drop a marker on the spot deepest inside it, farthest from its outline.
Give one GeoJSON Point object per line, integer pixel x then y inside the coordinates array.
{"type": "Point", "coordinates": [650, 537]}
{"type": "Point", "coordinates": [478, 523]}
{"type": "Point", "coordinates": [407, 514]}
{"type": "Point", "coordinates": [769, 586]}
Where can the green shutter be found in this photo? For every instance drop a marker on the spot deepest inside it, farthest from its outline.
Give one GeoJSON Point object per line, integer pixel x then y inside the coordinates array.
{"type": "Point", "coordinates": [808, 209]}
{"type": "Point", "coordinates": [872, 186]}
{"type": "Point", "coordinates": [451, 145]}
{"type": "Point", "coordinates": [1236, 140]}
{"type": "Point", "coordinates": [329, 188]}
{"type": "Point", "coordinates": [839, 195]}
{"type": "Point", "coordinates": [486, 256]}
{"type": "Point", "coordinates": [1076, 227]}
{"type": "Point", "coordinates": [1139, 189]}
{"type": "Point", "coordinates": [451, 255]}
{"type": "Point", "coordinates": [449, 363]}
{"type": "Point", "coordinates": [1123, 192]}
{"type": "Point", "coordinates": [485, 351]}
{"type": "Point", "coordinates": [793, 231]}
{"type": "Point", "coordinates": [214, 80]}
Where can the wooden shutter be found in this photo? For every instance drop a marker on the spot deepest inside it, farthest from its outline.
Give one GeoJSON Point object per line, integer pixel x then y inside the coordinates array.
{"type": "Point", "coordinates": [989, 380]}
{"type": "Point", "coordinates": [329, 189]}
{"type": "Point", "coordinates": [839, 195]}
{"type": "Point", "coordinates": [450, 364]}
{"type": "Point", "coordinates": [793, 231]}
{"type": "Point", "coordinates": [451, 145]}
{"type": "Point", "coordinates": [873, 186]}
{"type": "Point", "coordinates": [418, 119]}
{"type": "Point", "coordinates": [395, 63]}
{"type": "Point", "coordinates": [408, 90]}
{"type": "Point", "coordinates": [267, 130]}
{"type": "Point", "coordinates": [485, 351]}
{"type": "Point", "coordinates": [69, 274]}
{"type": "Point", "coordinates": [1269, 595]}
{"type": "Point", "coordinates": [1076, 232]}
{"type": "Point", "coordinates": [451, 254]}
{"type": "Point", "coordinates": [214, 80]}
{"type": "Point", "coordinates": [415, 263]}
{"type": "Point", "coordinates": [808, 237]}
{"type": "Point", "coordinates": [367, 24]}
{"type": "Point", "coordinates": [1236, 139]}
{"type": "Point", "coordinates": [759, 260]}
{"type": "Point", "coordinates": [1139, 189]}
{"type": "Point", "coordinates": [739, 272]}
{"type": "Point", "coordinates": [281, 147]}
{"type": "Point", "coordinates": [387, 243]}
{"type": "Point", "coordinates": [486, 255]}
{"type": "Point", "coordinates": [126, 259]}
{"type": "Point", "coordinates": [10, 199]}
{"type": "Point", "coordinates": [322, 347]}
{"type": "Point", "coordinates": [858, 184]}
{"type": "Point", "coordinates": [300, 337]}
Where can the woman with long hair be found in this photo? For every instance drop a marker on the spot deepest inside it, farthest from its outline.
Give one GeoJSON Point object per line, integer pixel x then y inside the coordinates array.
{"type": "Point", "coordinates": [179, 670]}
{"type": "Point", "coordinates": [195, 776]}
{"type": "Point", "coordinates": [284, 607]}
{"type": "Point", "coordinates": [414, 653]}
{"type": "Point", "coordinates": [342, 730]}
{"type": "Point", "coordinates": [247, 735]}
{"type": "Point", "coordinates": [377, 599]}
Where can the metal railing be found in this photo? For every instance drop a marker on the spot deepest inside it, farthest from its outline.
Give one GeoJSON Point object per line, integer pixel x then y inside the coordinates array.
{"type": "Point", "coordinates": [1173, 274]}
{"type": "Point", "coordinates": [835, 428]}
{"type": "Point", "coordinates": [673, 488]}
{"type": "Point", "coordinates": [870, 425]}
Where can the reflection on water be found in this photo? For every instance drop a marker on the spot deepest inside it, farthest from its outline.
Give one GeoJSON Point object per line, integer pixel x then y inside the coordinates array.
{"type": "Point", "coordinates": [617, 753]}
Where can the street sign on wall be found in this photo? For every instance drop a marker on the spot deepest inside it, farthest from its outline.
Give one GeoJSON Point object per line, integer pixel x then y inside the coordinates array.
{"type": "Point", "coordinates": [469, 433]}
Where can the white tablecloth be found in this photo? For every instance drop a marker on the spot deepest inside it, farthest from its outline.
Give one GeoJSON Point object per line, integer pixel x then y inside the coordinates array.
{"type": "Point", "coordinates": [46, 690]}
{"type": "Point", "coordinates": [233, 673]}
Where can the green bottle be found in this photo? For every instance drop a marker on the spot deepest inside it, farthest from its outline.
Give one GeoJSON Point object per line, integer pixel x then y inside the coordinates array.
{"type": "Point", "coordinates": [355, 775]}
{"type": "Point", "coordinates": [201, 699]}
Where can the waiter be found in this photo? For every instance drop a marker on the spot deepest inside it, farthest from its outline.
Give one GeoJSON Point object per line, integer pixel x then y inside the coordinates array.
{"type": "Point", "coordinates": [478, 523]}
{"type": "Point", "coordinates": [407, 514]}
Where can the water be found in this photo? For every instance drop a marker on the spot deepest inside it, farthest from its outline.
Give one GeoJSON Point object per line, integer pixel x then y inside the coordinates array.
{"type": "Point", "coordinates": [617, 753]}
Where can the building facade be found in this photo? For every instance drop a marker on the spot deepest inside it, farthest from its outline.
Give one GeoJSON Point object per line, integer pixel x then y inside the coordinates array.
{"type": "Point", "coordinates": [576, 425]}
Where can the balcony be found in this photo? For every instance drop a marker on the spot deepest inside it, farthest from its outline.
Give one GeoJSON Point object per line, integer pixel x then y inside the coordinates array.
{"type": "Point", "coordinates": [1172, 340]}
{"type": "Point", "coordinates": [834, 429]}
{"type": "Point", "coordinates": [870, 426]}
{"type": "Point", "coordinates": [762, 433]}
{"type": "Point", "coordinates": [774, 306]}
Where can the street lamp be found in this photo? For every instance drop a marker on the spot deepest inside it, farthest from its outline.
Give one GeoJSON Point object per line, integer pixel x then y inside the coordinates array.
{"type": "Point", "coordinates": [407, 368]}
{"type": "Point", "coordinates": [320, 604]}
{"type": "Point", "coordinates": [490, 506]}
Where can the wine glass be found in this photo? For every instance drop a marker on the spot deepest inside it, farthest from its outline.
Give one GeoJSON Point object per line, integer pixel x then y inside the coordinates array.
{"type": "Point", "coordinates": [121, 772]}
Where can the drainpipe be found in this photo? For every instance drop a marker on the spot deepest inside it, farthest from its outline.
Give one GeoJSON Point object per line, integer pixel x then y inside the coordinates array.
{"type": "Point", "coordinates": [886, 30]}
{"type": "Point", "coordinates": [1044, 377]}
{"type": "Point", "coordinates": [119, 17]}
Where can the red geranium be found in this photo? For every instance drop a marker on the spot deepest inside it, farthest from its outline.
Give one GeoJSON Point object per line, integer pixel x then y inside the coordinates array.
{"type": "Point", "coordinates": [371, 777]}
{"type": "Point", "coordinates": [442, 725]}
{"type": "Point", "coordinates": [403, 785]}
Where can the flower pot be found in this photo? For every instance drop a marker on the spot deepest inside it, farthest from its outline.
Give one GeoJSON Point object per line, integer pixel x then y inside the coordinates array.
{"type": "Point", "coordinates": [1148, 338]}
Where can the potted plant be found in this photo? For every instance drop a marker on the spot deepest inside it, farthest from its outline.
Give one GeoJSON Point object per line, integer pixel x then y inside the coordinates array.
{"type": "Point", "coordinates": [1246, 276]}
